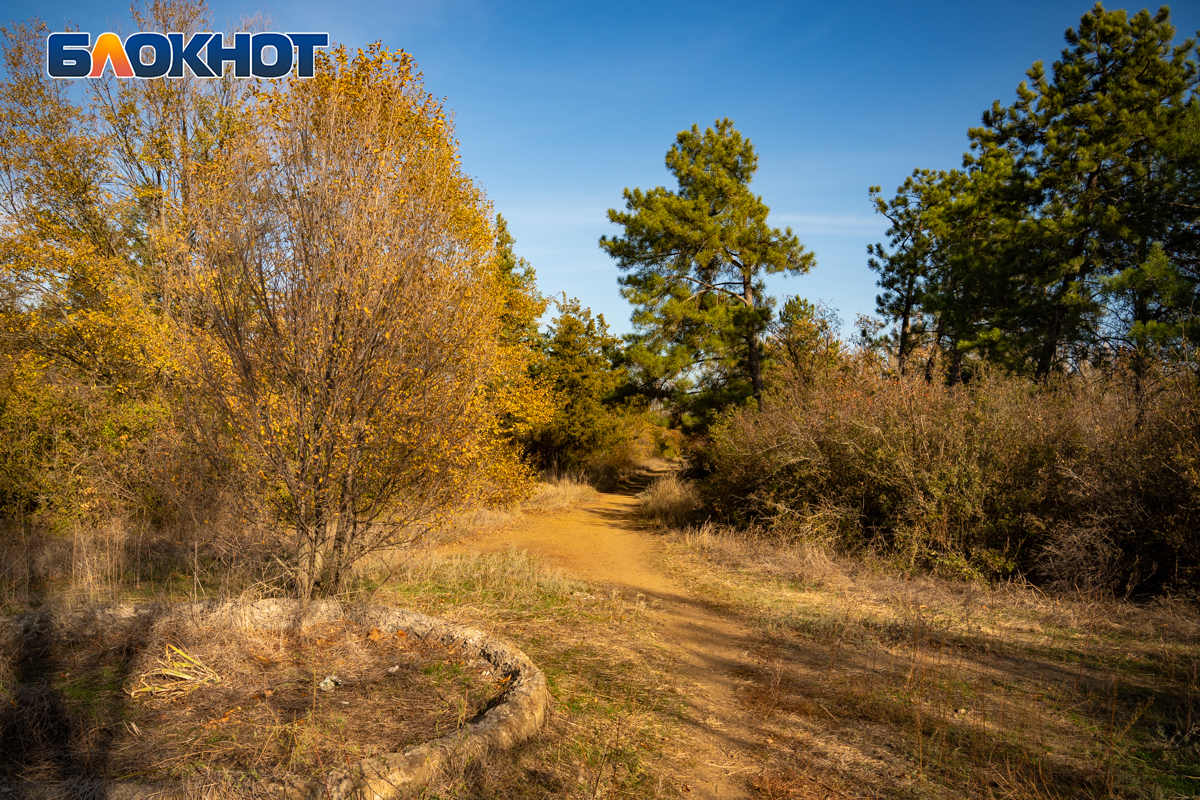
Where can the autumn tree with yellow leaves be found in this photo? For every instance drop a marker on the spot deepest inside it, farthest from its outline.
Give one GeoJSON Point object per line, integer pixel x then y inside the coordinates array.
{"type": "Point", "coordinates": [295, 278]}
{"type": "Point", "coordinates": [82, 347]}
{"type": "Point", "coordinates": [342, 308]}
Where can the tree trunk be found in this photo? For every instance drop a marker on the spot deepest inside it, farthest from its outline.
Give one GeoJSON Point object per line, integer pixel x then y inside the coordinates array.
{"type": "Point", "coordinates": [906, 324]}
{"type": "Point", "coordinates": [1140, 365]}
{"type": "Point", "coordinates": [937, 342]}
{"type": "Point", "coordinates": [306, 560]}
{"type": "Point", "coordinates": [756, 380]}
{"type": "Point", "coordinates": [1058, 316]}
{"type": "Point", "coordinates": [752, 343]}
{"type": "Point", "coordinates": [340, 556]}
{"type": "Point", "coordinates": [956, 363]}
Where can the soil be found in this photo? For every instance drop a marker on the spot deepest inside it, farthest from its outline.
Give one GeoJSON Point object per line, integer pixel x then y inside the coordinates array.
{"type": "Point", "coordinates": [70, 715]}
{"type": "Point", "coordinates": [605, 542]}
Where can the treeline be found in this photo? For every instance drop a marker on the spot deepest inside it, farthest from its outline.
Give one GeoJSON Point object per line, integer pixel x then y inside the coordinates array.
{"type": "Point", "coordinates": [1027, 401]}
{"type": "Point", "coordinates": [277, 321]}
{"type": "Point", "coordinates": [1070, 235]}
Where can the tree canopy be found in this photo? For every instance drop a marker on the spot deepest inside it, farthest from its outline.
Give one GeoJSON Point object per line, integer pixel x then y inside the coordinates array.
{"type": "Point", "coordinates": [578, 367]}
{"type": "Point", "coordinates": [359, 344]}
{"type": "Point", "coordinates": [1071, 232]}
{"type": "Point", "coordinates": [295, 279]}
{"type": "Point", "coordinates": [694, 259]}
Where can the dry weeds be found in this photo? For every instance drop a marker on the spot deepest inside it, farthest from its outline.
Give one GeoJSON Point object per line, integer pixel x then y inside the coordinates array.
{"type": "Point", "coordinates": [670, 502]}
{"type": "Point", "coordinates": [873, 684]}
{"type": "Point", "coordinates": [225, 556]}
{"type": "Point", "coordinates": [227, 702]}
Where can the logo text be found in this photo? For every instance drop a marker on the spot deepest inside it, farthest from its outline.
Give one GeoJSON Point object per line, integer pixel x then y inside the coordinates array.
{"type": "Point", "coordinates": [172, 55]}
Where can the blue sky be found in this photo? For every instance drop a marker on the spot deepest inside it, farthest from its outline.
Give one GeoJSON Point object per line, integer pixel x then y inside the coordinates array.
{"type": "Point", "coordinates": [560, 106]}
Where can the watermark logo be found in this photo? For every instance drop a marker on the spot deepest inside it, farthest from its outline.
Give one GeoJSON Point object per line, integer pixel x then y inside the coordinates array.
{"type": "Point", "coordinates": [172, 55]}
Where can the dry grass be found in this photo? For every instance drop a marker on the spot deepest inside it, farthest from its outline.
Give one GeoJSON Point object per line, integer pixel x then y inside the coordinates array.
{"type": "Point", "coordinates": [226, 702]}
{"type": "Point", "coordinates": [806, 562]}
{"type": "Point", "coordinates": [870, 684]}
{"type": "Point", "coordinates": [864, 683]}
{"type": "Point", "coordinates": [123, 560]}
{"type": "Point", "coordinates": [613, 730]}
{"type": "Point", "coordinates": [558, 493]}
{"type": "Point", "coordinates": [670, 502]}
{"type": "Point", "coordinates": [616, 704]}
{"type": "Point", "coordinates": [616, 716]}
{"type": "Point", "coordinates": [552, 494]}
{"type": "Point", "coordinates": [226, 556]}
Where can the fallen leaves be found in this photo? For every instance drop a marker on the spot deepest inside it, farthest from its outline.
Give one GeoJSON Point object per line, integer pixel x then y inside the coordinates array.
{"type": "Point", "coordinates": [212, 723]}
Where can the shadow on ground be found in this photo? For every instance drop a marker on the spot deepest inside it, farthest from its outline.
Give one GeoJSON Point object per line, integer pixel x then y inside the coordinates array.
{"type": "Point", "coordinates": [62, 704]}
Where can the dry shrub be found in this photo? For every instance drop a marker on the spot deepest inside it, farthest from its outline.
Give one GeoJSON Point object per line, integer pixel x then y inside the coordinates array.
{"type": "Point", "coordinates": [604, 468]}
{"type": "Point", "coordinates": [930, 474]}
{"type": "Point", "coordinates": [558, 493]}
{"type": "Point", "coordinates": [616, 463]}
{"type": "Point", "coordinates": [104, 493]}
{"type": "Point", "coordinates": [1132, 499]}
{"type": "Point", "coordinates": [670, 502]}
{"type": "Point", "coordinates": [117, 560]}
{"type": "Point", "coordinates": [1087, 483]}
{"type": "Point", "coordinates": [803, 561]}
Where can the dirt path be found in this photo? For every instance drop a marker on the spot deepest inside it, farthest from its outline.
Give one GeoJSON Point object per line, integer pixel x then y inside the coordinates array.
{"type": "Point", "coordinates": [602, 543]}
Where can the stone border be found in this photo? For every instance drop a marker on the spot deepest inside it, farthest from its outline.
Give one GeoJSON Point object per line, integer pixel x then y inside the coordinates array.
{"type": "Point", "coordinates": [515, 717]}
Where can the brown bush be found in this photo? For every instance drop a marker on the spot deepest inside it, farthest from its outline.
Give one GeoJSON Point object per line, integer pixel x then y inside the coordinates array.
{"type": "Point", "coordinates": [1085, 482]}
{"type": "Point", "coordinates": [670, 502]}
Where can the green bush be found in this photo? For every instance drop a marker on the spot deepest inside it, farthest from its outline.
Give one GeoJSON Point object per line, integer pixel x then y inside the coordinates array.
{"type": "Point", "coordinates": [75, 451]}
{"type": "Point", "coordinates": [587, 430]}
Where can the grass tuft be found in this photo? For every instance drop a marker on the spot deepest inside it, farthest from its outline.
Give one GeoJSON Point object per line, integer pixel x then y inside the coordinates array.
{"type": "Point", "coordinates": [670, 502]}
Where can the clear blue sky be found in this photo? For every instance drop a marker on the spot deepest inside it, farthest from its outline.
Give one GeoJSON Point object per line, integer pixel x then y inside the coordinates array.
{"type": "Point", "coordinates": [560, 106]}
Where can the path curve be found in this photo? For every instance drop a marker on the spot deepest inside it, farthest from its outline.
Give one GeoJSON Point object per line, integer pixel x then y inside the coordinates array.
{"type": "Point", "coordinates": [604, 542]}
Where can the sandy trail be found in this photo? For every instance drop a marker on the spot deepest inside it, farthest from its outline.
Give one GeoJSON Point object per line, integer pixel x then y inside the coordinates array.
{"type": "Point", "coordinates": [603, 543]}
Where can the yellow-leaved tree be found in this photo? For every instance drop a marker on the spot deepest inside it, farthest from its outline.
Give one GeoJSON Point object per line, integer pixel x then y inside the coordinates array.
{"type": "Point", "coordinates": [89, 193]}
{"type": "Point", "coordinates": [337, 290]}
{"type": "Point", "coordinates": [82, 348]}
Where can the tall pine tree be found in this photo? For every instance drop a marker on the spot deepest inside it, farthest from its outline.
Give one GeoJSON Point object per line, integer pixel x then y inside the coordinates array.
{"type": "Point", "coordinates": [1088, 142]}
{"type": "Point", "coordinates": [1072, 232]}
{"type": "Point", "coordinates": [694, 260]}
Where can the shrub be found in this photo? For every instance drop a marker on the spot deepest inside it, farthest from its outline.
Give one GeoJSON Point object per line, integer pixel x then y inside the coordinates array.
{"type": "Point", "coordinates": [1129, 513]}
{"type": "Point", "coordinates": [1087, 483]}
{"type": "Point", "coordinates": [670, 502]}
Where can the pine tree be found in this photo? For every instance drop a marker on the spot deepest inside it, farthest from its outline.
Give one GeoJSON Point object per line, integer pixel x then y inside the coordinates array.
{"type": "Point", "coordinates": [940, 277]}
{"type": "Point", "coordinates": [694, 260]}
{"type": "Point", "coordinates": [1088, 143]}
{"type": "Point", "coordinates": [579, 367]}
{"type": "Point", "coordinates": [905, 269]}
{"type": "Point", "coordinates": [1071, 232]}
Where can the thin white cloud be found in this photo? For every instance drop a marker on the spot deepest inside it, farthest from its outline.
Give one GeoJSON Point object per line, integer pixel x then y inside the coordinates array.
{"type": "Point", "coordinates": [831, 223]}
{"type": "Point", "coordinates": [593, 216]}
{"type": "Point", "coordinates": [557, 217]}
